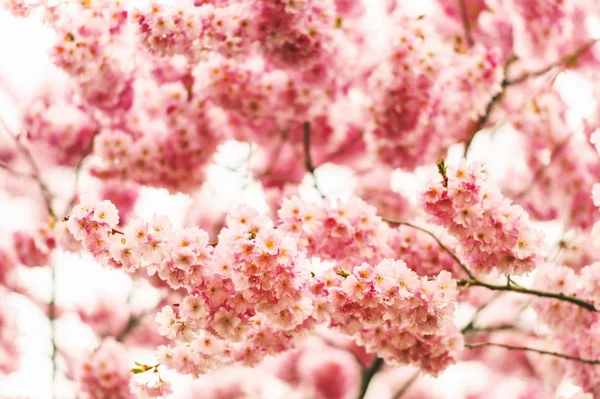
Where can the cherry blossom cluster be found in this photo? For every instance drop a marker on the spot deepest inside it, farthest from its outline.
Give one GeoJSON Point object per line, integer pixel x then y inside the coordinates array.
{"type": "Point", "coordinates": [421, 252]}
{"type": "Point", "coordinates": [124, 196]}
{"type": "Point", "coordinates": [493, 233]}
{"type": "Point", "coordinates": [34, 248]}
{"type": "Point", "coordinates": [64, 129]}
{"type": "Point", "coordinates": [228, 296]}
{"type": "Point", "coordinates": [374, 188]}
{"type": "Point", "coordinates": [106, 373]}
{"type": "Point", "coordinates": [561, 166]}
{"type": "Point", "coordinates": [320, 370]}
{"type": "Point", "coordinates": [393, 312]}
{"type": "Point", "coordinates": [577, 249]}
{"type": "Point", "coordinates": [347, 232]}
{"type": "Point", "coordinates": [573, 328]}
{"type": "Point", "coordinates": [410, 101]}
{"type": "Point", "coordinates": [173, 152]}
{"type": "Point", "coordinates": [253, 294]}
{"type": "Point", "coordinates": [88, 50]}
{"type": "Point", "coordinates": [182, 28]}
{"type": "Point", "coordinates": [294, 33]}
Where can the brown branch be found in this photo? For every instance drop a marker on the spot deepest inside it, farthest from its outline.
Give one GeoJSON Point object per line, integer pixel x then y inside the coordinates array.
{"type": "Point", "coordinates": [471, 325]}
{"type": "Point", "coordinates": [489, 109]}
{"type": "Point", "coordinates": [51, 318]}
{"type": "Point", "coordinates": [567, 60]}
{"type": "Point", "coordinates": [308, 163]}
{"type": "Point", "coordinates": [367, 376]}
{"type": "Point", "coordinates": [35, 174]}
{"type": "Point", "coordinates": [342, 148]}
{"type": "Point", "coordinates": [509, 286]}
{"type": "Point", "coordinates": [406, 385]}
{"type": "Point", "coordinates": [464, 16]}
{"type": "Point", "coordinates": [526, 291]}
{"type": "Point", "coordinates": [78, 168]}
{"type": "Point", "coordinates": [501, 327]}
{"type": "Point", "coordinates": [540, 351]}
{"type": "Point", "coordinates": [444, 247]}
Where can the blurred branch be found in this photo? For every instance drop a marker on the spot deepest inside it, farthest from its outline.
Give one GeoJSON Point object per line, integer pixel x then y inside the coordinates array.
{"type": "Point", "coordinates": [51, 317]}
{"type": "Point", "coordinates": [308, 162]}
{"type": "Point", "coordinates": [509, 286]}
{"type": "Point", "coordinates": [567, 60]}
{"type": "Point", "coordinates": [525, 348]}
{"type": "Point", "coordinates": [78, 168]}
{"type": "Point", "coordinates": [481, 122]}
{"type": "Point", "coordinates": [406, 385]}
{"type": "Point", "coordinates": [343, 148]}
{"type": "Point", "coordinates": [465, 21]}
{"type": "Point", "coordinates": [445, 248]}
{"type": "Point", "coordinates": [521, 290]}
{"type": "Point", "coordinates": [367, 376]}
{"type": "Point", "coordinates": [35, 171]}
{"type": "Point", "coordinates": [471, 325]}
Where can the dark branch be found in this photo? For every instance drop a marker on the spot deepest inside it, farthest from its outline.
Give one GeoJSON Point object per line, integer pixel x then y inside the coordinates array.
{"type": "Point", "coordinates": [367, 376]}
{"type": "Point", "coordinates": [489, 109]}
{"type": "Point", "coordinates": [569, 59]}
{"type": "Point", "coordinates": [509, 286]}
{"type": "Point", "coordinates": [444, 247]}
{"type": "Point", "coordinates": [406, 385]}
{"type": "Point", "coordinates": [521, 290]}
{"type": "Point", "coordinates": [540, 351]}
{"type": "Point", "coordinates": [308, 163]}
{"type": "Point", "coordinates": [466, 22]}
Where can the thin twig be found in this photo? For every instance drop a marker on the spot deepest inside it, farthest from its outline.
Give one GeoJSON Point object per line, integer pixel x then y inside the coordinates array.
{"type": "Point", "coordinates": [501, 327]}
{"type": "Point", "coordinates": [471, 325]}
{"type": "Point", "coordinates": [525, 348]}
{"type": "Point", "coordinates": [490, 106]}
{"type": "Point", "coordinates": [367, 376]}
{"type": "Point", "coordinates": [475, 282]}
{"type": "Point", "coordinates": [35, 170]}
{"type": "Point", "coordinates": [15, 173]}
{"type": "Point", "coordinates": [51, 318]}
{"type": "Point", "coordinates": [406, 385]}
{"type": "Point", "coordinates": [538, 173]}
{"type": "Point", "coordinates": [565, 60]}
{"type": "Point", "coordinates": [527, 291]}
{"type": "Point", "coordinates": [444, 247]}
{"type": "Point", "coordinates": [466, 22]}
{"type": "Point", "coordinates": [308, 163]}
{"type": "Point", "coordinates": [78, 168]}
{"type": "Point", "coordinates": [342, 149]}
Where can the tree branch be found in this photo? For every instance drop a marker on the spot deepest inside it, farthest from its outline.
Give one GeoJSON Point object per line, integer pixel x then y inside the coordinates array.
{"type": "Point", "coordinates": [444, 247]}
{"type": "Point", "coordinates": [471, 325]}
{"type": "Point", "coordinates": [51, 318]}
{"type": "Point", "coordinates": [308, 162]}
{"type": "Point", "coordinates": [525, 348]}
{"type": "Point", "coordinates": [490, 106]}
{"type": "Point", "coordinates": [78, 168]}
{"type": "Point", "coordinates": [521, 290]}
{"type": "Point", "coordinates": [509, 286]}
{"type": "Point", "coordinates": [568, 59]}
{"type": "Point", "coordinates": [464, 16]}
{"type": "Point", "coordinates": [367, 376]}
{"type": "Point", "coordinates": [406, 385]}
